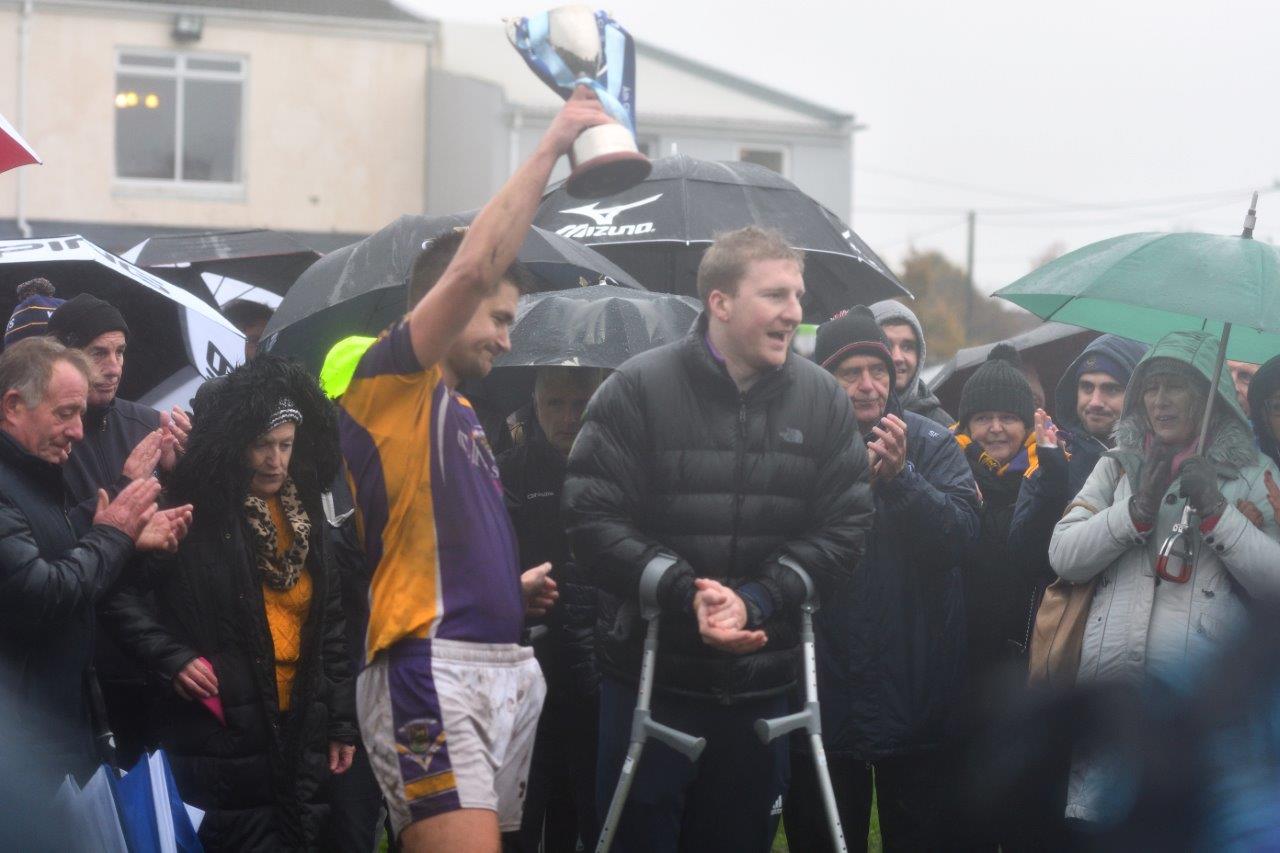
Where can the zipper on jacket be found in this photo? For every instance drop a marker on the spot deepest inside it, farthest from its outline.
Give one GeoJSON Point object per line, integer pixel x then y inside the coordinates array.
{"type": "Point", "coordinates": [740, 458]}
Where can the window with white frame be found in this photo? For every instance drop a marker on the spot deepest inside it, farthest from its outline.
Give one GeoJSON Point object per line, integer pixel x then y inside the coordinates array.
{"type": "Point", "coordinates": [179, 117]}
{"type": "Point", "coordinates": [774, 158]}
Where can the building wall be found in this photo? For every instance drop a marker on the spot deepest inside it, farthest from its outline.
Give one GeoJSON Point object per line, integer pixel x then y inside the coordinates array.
{"type": "Point", "coordinates": [334, 138]}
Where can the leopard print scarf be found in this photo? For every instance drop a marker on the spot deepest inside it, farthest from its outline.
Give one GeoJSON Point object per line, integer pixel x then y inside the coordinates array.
{"type": "Point", "coordinates": [278, 573]}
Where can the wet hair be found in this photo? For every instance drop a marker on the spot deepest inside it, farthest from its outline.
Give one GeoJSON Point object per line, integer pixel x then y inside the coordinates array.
{"type": "Point", "coordinates": [578, 377]}
{"type": "Point", "coordinates": [725, 263]}
{"type": "Point", "coordinates": [435, 257]}
{"type": "Point", "coordinates": [27, 366]}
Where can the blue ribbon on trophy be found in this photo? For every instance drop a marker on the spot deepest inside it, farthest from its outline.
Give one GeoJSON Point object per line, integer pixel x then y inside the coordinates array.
{"type": "Point", "coordinates": [572, 46]}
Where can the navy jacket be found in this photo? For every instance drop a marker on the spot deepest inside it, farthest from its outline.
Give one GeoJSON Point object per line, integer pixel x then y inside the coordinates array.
{"type": "Point", "coordinates": [1045, 495]}
{"type": "Point", "coordinates": [891, 644]}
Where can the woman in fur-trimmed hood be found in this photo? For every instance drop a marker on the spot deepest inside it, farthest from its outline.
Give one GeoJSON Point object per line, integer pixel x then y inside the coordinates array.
{"type": "Point", "coordinates": [1141, 626]}
{"type": "Point", "coordinates": [246, 629]}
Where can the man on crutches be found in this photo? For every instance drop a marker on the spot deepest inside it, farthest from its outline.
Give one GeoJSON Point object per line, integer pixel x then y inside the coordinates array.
{"type": "Point", "coordinates": [730, 454]}
{"type": "Point", "coordinates": [891, 645]}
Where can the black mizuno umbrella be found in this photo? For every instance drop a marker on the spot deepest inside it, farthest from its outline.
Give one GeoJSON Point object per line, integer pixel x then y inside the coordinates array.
{"type": "Point", "coordinates": [360, 289]}
{"type": "Point", "coordinates": [259, 257]}
{"type": "Point", "coordinates": [658, 230]}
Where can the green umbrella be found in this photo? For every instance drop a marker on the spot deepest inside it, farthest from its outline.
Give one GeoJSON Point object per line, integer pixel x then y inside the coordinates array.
{"type": "Point", "coordinates": [1144, 286]}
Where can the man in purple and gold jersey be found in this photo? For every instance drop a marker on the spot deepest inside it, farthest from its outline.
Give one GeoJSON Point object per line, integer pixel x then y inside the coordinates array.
{"type": "Point", "coordinates": [449, 700]}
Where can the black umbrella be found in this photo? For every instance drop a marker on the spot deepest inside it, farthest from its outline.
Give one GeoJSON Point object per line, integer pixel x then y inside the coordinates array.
{"type": "Point", "coordinates": [659, 229]}
{"type": "Point", "coordinates": [599, 326]}
{"type": "Point", "coordinates": [259, 257]}
{"type": "Point", "coordinates": [1048, 348]}
{"type": "Point", "coordinates": [175, 342]}
{"type": "Point", "coordinates": [360, 289]}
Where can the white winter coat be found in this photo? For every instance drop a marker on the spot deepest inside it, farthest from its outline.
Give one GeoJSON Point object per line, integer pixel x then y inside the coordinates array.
{"type": "Point", "coordinates": [1140, 627]}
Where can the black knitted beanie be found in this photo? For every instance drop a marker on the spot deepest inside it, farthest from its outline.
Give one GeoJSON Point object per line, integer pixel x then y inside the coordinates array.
{"type": "Point", "coordinates": [998, 386]}
{"type": "Point", "coordinates": [851, 332]}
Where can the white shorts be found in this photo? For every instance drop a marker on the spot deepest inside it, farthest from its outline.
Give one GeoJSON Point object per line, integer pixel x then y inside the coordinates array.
{"type": "Point", "coordinates": [450, 725]}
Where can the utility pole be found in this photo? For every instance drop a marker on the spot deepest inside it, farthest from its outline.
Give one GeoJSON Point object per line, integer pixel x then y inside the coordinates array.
{"type": "Point", "coordinates": [968, 277]}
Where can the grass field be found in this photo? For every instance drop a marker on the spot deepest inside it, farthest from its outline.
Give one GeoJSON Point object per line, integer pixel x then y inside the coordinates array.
{"type": "Point", "coordinates": [873, 836]}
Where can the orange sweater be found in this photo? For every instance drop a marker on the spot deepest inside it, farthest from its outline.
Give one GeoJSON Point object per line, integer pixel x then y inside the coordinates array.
{"type": "Point", "coordinates": [286, 611]}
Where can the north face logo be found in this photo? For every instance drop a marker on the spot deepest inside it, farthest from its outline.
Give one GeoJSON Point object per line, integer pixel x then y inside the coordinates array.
{"type": "Point", "coordinates": [603, 218]}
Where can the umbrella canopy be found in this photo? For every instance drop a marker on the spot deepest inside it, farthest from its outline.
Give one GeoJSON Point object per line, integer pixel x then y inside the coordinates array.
{"type": "Point", "coordinates": [176, 341]}
{"type": "Point", "coordinates": [259, 257]}
{"type": "Point", "coordinates": [14, 150]}
{"type": "Point", "coordinates": [1143, 286]}
{"type": "Point", "coordinates": [658, 230]}
{"type": "Point", "coordinates": [360, 289]}
{"type": "Point", "coordinates": [1050, 349]}
{"type": "Point", "coordinates": [598, 326]}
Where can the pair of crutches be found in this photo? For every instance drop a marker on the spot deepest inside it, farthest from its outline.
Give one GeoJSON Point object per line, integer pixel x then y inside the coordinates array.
{"type": "Point", "coordinates": [643, 726]}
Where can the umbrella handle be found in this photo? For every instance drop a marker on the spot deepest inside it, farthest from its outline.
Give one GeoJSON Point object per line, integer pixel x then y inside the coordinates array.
{"type": "Point", "coordinates": [1177, 546]}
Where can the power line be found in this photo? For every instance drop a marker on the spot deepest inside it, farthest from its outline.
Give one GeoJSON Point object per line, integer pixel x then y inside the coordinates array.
{"type": "Point", "coordinates": [941, 182]}
{"type": "Point", "coordinates": [1222, 196]}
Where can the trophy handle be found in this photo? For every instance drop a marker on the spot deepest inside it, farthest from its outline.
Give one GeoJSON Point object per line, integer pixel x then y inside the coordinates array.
{"type": "Point", "coordinates": [605, 162]}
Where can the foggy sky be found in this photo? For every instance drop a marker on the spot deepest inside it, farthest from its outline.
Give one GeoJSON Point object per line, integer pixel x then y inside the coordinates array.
{"type": "Point", "coordinates": [1073, 110]}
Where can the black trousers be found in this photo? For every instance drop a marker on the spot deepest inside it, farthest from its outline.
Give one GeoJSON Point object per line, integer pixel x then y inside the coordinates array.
{"type": "Point", "coordinates": [355, 809]}
{"type": "Point", "coordinates": [726, 803]}
{"type": "Point", "coordinates": [910, 792]}
{"type": "Point", "coordinates": [560, 803]}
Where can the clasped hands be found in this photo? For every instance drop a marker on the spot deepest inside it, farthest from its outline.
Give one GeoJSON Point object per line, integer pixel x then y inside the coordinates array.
{"type": "Point", "coordinates": [722, 619]}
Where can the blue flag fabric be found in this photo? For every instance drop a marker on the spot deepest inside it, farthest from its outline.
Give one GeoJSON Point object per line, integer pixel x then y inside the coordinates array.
{"type": "Point", "coordinates": [184, 832]}
{"type": "Point", "coordinates": [136, 807]}
{"type": "Point", "coordinates": [614, 85]}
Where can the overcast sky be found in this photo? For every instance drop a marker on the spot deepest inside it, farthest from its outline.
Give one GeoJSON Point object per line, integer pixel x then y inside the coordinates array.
{"type": "Point", "coordinates": [1059, 123]}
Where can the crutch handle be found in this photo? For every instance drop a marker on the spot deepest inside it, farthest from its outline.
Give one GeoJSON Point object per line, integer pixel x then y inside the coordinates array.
{"type": "Point", "coordinates": [687, 745]}
{"type": "Point", "coordinates": [770, 730]}
{"type": "Point", "coordinates": [650, 578]}
{"type": "Point", "coordinates": [810, 592]}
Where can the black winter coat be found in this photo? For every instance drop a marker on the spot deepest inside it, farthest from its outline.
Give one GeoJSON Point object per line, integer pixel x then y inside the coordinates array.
{"type": "Point", "coordinates": [891, 647]}
{"type": "Point", "coordinates": [111, 433]}
{"type": "Point", "coordinates": [673, 458]}
{"type": "Point", "coordinates": [50, 580]}
{"type": "Point", "coordinates": [1000, 598]}
{"type": "Point", "coordinates": [259, 777]}
{"type": "Point", "coordinates": [533, 479]}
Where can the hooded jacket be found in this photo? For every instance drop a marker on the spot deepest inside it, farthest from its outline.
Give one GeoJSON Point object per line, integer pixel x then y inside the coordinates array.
{"type": "Point", "coordinates": [891, 645]}
{"type": "Point", "coordinates": [1062, 472]}
{"type": "Point", "coordinates": [673, 458]}
{"type": "Point", "coordinates": [1139, 627]}
{"type": "Point", "coordinates": [260, 776]}
{"type": "Point", "coordinates": [917, 397]}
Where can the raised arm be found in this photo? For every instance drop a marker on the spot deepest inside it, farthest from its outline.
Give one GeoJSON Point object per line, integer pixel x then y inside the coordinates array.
{"type": "Point", "coordinates": [490, 245]}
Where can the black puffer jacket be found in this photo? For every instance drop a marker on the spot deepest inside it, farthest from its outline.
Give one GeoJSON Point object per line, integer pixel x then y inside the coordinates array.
{"type": "Point", "coordinates": [533, 478]}
{"type": "Point", "coordinates": [50, 579]}
{"type": "Point", "coordinates": [672, 457]}
{"type": "Point", "coordinates": [260, 776]}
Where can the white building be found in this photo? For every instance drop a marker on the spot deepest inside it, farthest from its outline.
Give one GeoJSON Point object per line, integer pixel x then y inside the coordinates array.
{"type": "Point", "coordinates": [487, 111]}
{"type": "Point", "coordinates": [326, 119]}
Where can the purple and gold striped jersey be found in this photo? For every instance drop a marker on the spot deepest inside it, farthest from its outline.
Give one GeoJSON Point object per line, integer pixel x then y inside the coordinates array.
{"type": "Point", "coordinates": [429, 505]}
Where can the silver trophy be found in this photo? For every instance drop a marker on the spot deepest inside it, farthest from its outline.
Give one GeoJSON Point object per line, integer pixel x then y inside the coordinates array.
{"type": "Point", "coordinates": [573, 46]}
